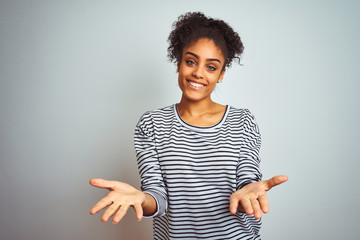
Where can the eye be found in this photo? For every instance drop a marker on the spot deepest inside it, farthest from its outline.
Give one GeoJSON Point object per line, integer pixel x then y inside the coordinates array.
{"type": "Point", "coordinates": [190, 62]}
{"type": "Point", "coordinates": [211, 68]}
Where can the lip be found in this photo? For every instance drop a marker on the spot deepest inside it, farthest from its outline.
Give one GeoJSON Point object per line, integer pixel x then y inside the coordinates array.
{"type": "Point", "coordinates": [193, 87]}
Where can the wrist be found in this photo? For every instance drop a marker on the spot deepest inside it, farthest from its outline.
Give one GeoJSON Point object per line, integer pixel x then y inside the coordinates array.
{"type": "Point", "coordinates": [149, 204]}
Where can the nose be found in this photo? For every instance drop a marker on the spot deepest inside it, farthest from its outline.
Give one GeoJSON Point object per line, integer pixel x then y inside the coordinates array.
{"type": "Point", "coordinates": [197, 73]}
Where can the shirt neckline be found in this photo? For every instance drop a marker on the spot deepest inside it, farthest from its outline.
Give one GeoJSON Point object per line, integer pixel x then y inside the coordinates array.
{"type": "Point", "coordinates": [198, 128]}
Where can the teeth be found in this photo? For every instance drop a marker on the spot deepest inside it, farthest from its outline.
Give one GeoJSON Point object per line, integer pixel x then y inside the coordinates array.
{"type": "Point", "coordinates": [196, 84]}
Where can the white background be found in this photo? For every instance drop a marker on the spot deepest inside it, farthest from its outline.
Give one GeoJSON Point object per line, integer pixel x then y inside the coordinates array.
{"type": "Point", "coordinates": [75, 76]}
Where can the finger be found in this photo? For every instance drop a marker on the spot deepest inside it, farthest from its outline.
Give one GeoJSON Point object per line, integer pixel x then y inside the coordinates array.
{"type": "Point", "coordinates": [256, 208]}
{"type": "Point", "coordinates": [120, 213]}
{"type": "Point", "coordinates": [101, 183]}
{"type": "Point", "coordinates": [234, 204]}
{"type": "Point", "coordinates": [247, 206]}
{"type": "Point", "coordinates": [264, 203]}
{"type": "Point", "coordinates": [139, 211]}
{"type": "Point", "coordinates": [272, 182]}
{"type": "Point", "coordinates": [110, 211]}
{"type": "Point", "coordinates": [103, 203]}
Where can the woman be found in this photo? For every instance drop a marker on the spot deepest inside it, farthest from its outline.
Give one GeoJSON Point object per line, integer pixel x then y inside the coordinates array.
{"type": "Point", "coordinates": [198, 160]}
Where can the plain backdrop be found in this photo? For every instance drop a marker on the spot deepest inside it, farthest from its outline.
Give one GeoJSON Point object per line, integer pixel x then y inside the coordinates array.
{"type": "Point", "coordinates": [75, 76]}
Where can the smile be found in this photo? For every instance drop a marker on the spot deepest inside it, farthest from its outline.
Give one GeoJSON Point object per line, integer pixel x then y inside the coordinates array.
{"type": "Point", "coordinates": [195, 84]}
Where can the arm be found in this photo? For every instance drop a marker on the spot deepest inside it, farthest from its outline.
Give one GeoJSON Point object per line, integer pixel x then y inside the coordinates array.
{"type": "Point", "coordinates": [250, 196]}
{"type": "Point", "coordinates": [152, 181]}
{"type": "Point", "coordinates": [152, 200]}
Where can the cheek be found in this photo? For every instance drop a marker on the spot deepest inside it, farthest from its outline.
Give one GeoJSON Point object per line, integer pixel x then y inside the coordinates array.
{"type": "Point", "coordinates": [182, 74]}
{"type": "Point", "coordinates": [180, 81]}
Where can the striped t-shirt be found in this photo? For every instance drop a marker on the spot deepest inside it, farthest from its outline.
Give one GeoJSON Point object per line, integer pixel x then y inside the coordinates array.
{"type": "Point", "coordinates": [192, 171]}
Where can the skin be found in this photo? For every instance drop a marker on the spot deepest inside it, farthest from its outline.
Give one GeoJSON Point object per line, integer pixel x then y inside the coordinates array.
{"type": "Point", "coordinates": [202, 63]}
{"type": "Point", "coordinates": [200, 69]}
{"type": "Point", "coordinates": [120, 198]}
{"type": "Point", "coordinates": [252, 198]}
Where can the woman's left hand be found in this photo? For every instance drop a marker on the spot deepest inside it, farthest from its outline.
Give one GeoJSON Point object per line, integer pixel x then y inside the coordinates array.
{"type": "Point", "coordinates": [252, 198]}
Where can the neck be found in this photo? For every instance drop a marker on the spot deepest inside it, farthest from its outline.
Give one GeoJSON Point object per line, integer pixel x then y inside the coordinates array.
{"type": "Point", "coordinates": [193, 108]}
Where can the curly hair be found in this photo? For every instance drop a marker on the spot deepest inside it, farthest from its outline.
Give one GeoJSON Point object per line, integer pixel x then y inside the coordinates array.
{"type": "Point", "coordinates": [192, 26]}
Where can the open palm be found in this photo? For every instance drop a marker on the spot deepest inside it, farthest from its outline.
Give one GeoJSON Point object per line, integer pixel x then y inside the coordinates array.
{"type": "Point", "coordinates": [118, 200]}
{"type": "Point", "coordinates": [252, 198]}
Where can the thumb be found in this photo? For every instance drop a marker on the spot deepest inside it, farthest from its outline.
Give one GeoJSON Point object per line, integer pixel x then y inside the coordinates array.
{"type": "Point", "coordinates": [274, 181]}
{"type": "Point", "coordinates": [101, 183]}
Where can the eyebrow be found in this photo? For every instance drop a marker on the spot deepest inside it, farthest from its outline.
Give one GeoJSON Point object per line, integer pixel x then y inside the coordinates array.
{"type": "Point", "coordinates": [208, 59]}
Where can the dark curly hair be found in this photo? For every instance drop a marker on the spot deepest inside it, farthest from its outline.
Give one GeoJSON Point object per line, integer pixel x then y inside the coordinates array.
{"type": "Point", "coordinates": [190, 27]}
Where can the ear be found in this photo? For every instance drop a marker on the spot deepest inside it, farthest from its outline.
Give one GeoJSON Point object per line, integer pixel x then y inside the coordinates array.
{"type": "Point", "coordinates": [178, 67]}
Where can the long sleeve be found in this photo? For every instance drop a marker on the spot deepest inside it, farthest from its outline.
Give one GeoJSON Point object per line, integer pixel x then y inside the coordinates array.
{"type": "Point", "coordinates": [194, 170]}
{"type": "Point", "coordinates": [148, 164]}
{"type": "Point", "coordinates": [248, 169]}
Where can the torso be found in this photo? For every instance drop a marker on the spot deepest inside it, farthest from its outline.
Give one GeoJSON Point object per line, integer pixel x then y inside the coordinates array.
{"type": "Point", "coordinates": [199, 167]}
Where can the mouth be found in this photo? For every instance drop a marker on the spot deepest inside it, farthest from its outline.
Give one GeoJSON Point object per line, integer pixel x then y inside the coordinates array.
{"type": "Point", "coordinates": [196, 84]}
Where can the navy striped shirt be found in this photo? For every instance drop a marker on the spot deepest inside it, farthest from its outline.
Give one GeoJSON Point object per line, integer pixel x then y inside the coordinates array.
{"type": "Point", "coordinates": [192, 171]}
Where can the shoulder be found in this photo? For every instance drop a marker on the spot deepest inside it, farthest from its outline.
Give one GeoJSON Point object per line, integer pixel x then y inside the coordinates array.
{"type": "Point", "coordinates": [158, 113]}
{"type": "Point", "coordinates": [243, 117]}
{"type": "Point", "coordinates": [241, 114]}
{"type": "Point", "coordinates": [149, 117]}
{"type": "Point", "coordinates": [153, 120]}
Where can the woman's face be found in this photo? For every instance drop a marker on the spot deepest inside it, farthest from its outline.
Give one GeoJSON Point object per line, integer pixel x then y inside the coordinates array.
{"type": "Point", "coordinates": [200, 69]}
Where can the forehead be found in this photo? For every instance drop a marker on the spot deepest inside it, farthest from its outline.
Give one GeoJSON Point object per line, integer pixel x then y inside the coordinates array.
{"type": "Point", "coordinates": [205, 48]}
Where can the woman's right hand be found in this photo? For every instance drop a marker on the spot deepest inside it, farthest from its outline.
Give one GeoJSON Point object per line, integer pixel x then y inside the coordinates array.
{"type": "Point", "coordinates": [119, 199]}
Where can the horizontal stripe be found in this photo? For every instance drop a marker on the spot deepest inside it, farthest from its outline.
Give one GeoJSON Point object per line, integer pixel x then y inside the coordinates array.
{"type": "Point", "coordinates": [192, 171]}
